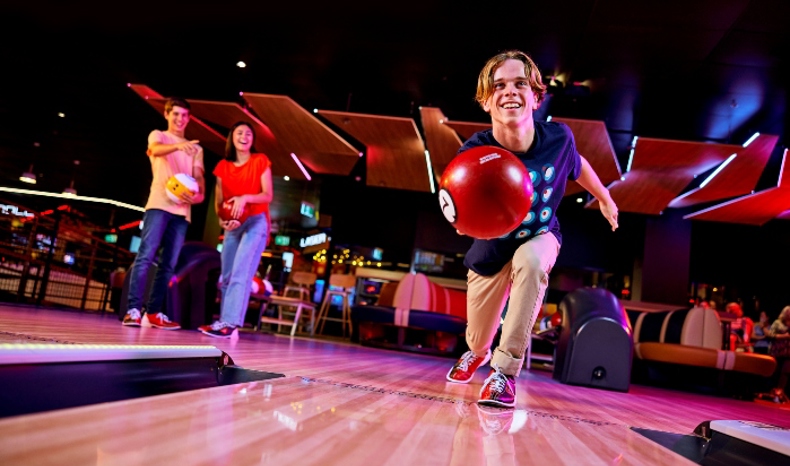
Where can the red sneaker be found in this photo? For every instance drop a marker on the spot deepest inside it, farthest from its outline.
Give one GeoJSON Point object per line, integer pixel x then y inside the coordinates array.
{"type": "Point", "coordinates": [132, 318]}
{"type": "Point", "coordinates": [220, 329]}
{"type": "Point", "coordinates": [465, 368]}
{"type": "Point", "coordinates": [498, 389]}
{"type": "Point", "coordinates": [158, 320]}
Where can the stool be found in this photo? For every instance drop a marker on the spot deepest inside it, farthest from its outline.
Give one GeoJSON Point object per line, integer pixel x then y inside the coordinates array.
{"type": "Point", "coordinates": [343, 284]}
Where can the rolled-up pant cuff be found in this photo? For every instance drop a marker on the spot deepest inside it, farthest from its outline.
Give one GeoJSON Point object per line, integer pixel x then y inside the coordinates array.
{"type": "Point", "coordinates": [509, 365]}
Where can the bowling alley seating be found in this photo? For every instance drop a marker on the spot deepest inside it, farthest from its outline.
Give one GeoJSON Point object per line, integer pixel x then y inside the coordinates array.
{"type": "Point", "coordinates": [684, 346]}
{"type": "Point", "coordinates": [421, 316]}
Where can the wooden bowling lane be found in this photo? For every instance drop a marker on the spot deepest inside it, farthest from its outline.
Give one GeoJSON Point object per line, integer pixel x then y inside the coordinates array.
{"type": "Point", "coordinates": [304, 422]}
{"type": "Point", "coordinates": [341, 403]}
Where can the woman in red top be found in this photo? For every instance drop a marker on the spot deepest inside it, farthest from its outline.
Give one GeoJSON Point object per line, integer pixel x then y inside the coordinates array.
{"type": "Point", "coordinates": [244, 182]}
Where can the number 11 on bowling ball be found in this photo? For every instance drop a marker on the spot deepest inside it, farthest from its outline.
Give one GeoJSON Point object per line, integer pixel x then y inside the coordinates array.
{"type": "Point", "coordinates": [485, 192]}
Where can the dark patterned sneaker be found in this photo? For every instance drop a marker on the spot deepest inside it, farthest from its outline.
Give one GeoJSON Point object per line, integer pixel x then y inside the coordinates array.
{"type": "Point", "coordinates": [220, 329]}
{"type": "Point", "coordinates": [158, 320]}
{"type": "Point", "coordinates": [132, 318]}
{"type": "Point", "coordinates": [465, 368]}
{"type": "Point", "coordinates": [494, 421]}
{"type": "Point", "coordinates": [498, 389]}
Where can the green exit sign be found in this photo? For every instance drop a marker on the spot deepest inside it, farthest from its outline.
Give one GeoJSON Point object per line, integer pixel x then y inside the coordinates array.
{"type": "Point", "coordinates": [111, 238]}
{"type": "Point", "coordinates": [282, 240]}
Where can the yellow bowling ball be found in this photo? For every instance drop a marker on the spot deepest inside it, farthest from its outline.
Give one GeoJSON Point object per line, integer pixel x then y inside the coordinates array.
{"type": "Point", "coordinates": [179, 184]}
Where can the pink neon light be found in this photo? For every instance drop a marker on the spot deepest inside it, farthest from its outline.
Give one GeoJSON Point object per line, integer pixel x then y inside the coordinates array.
{"type": "Point", "coordinates": [301, 167]}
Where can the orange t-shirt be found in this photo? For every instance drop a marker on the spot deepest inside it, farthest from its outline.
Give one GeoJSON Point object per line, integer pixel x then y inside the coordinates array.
{"type": "Point", "coordinates": [245, 179]}
{"type": "Point", "coordinates": [166, 166]}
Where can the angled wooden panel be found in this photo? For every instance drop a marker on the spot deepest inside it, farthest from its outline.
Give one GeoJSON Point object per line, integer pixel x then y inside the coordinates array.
{"type": "Point", "coordinates": [737, 178]}
{"type": "Point", "coordinates": [443, 142]}
{"type": "Point", "coordinates": [226, 114]}
{"type": "Point", "coordinates": [300, 132]}
{"type": "Point", "coordinates": [466, 128]}
{"type": "Point", "coordinates": [593, 142]}
{"type": "Point", "coordinates": [660, 170]}
{"type": "Point", "coordinates": [395, 150]}
{"type": "Point", "coordinates": [196, 129]}
{"type": "Point", "coordinates": [752, 209]}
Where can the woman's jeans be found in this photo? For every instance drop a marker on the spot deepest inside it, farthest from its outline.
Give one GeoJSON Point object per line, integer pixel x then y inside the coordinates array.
{"type": "Point", "coordinates": [241, 254]}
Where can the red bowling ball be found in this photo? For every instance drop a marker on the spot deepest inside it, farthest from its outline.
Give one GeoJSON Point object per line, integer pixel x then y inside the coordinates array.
{"type": "Point", "coordinates": [485, 192]}
{"type": "Point", "coordinates": [225, 212]}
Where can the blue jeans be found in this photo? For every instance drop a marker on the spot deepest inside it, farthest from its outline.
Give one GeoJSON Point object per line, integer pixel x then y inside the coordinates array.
{"type": "Point", "coordinates": [241, 254]}
{"type": "Point", "coordinates": [160, 230]}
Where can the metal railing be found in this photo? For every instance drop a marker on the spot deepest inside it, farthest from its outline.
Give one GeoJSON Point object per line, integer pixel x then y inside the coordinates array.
{"type": "Point", "coordinates": [55, 260]}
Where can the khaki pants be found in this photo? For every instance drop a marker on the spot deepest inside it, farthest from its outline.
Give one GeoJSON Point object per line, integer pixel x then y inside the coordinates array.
{"type": "Point", "coordinates": [524, 279]}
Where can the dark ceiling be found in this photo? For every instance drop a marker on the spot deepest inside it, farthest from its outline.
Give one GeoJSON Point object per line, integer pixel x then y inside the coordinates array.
{"type": "Point", "coordinates": [703, 71]}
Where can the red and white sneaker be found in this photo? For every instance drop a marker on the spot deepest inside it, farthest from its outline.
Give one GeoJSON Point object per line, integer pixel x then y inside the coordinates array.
{"type": "Point", "coordinates": [220, 329]}
{"type": "Point", "coordinates": [132, 318]}
{"type": "Point", "coordinates": [158, 320]}
{"type": "Point", "coordinates": [498, 389]}
{"type": "Point", "coordinates": [465, 368]}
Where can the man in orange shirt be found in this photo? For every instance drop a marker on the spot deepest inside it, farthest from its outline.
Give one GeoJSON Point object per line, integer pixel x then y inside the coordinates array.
{"type": "Point", "coordinates": [165, 221]}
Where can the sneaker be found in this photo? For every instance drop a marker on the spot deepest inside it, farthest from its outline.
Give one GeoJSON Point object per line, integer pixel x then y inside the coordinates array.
{"type": "Point", "coordinates": [465, 368]}
{"type": "Point", "coordinates": [498, 389]}
{"type": "Point", "coordinates": [494, 421]}
{"type": "Point", "coordinates": [158, 320]}
{"type": "Point", "coordinates": [220, 329]}
{"type": "Point", "coordinates": [132, 318]}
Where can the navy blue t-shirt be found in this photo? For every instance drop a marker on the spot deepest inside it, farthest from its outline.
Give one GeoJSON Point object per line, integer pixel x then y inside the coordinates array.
{"type": "Point", "coordinates": [551, 161]}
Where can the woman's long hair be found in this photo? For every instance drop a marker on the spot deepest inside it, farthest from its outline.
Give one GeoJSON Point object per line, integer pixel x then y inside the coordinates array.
{"type": "Point", "coordinates": [230, 148]}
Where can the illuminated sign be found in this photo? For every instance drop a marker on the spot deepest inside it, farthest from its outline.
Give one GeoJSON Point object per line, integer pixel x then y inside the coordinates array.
{"type": "Point", "coordinates": [377, 254]}
{"type": "Point", "coordinates": [282, 240]}
{"type": "Point", "coordinates": [111, 238]}
{"type": "Point", "coordinates": [313, 240]}
{"type": "Point", "coordinates": [7, 209]}
{"type": "Point", "coordinates": [307, 209]}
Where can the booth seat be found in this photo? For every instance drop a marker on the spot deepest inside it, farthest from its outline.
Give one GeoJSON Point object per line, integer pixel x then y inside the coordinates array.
{"type": "Point", "coordinates": [692, 338]}
{"type": "Point", "coordinates": [413, 314]}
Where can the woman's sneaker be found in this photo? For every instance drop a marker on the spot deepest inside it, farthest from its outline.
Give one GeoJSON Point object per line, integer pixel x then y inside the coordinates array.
{"type": "Point", "coordinates": [465, 368]}
{"type": "Point", "coordinates": [220, 329]}
{"type": "Point", "coordinates": [132, 318]}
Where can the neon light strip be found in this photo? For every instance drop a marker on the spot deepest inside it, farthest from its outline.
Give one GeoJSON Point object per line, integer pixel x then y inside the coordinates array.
{"type": "Point", "coordinates": [631, 155]}
{"type": "Point", "coordinates": [430, 171]}
{"type": "Point", "coordinates": [716, 172]}
{"type": "Point", "coordinates": [100, 200]}
{"type": "Point", "coordinates": [782, 169]}
{"type": "Point", "coordinates": [749, 141]}
{"type": "Point", "coordinates": [15, 353]}
{"type": "Point", "coordinates": [301, 167]}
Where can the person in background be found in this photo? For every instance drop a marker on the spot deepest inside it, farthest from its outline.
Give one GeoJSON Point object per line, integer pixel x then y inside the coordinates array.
{"type": "Point", "coordinates": [760, 338]}
{"type": "Point", "coordinates": [780, 350]}
{"type": "Point", "coordinates": [514, 269]}
{"type": "Point", "coordinates": [244, 179]}
{"type": "Point", "coordinates": [165, 221]}
{"type": "Point", "coordinates": [740, 328]}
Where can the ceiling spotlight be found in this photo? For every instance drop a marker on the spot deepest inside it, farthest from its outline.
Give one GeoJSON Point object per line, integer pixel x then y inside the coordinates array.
{"type": "Point", "coordinates": [241, 64]}
{"type": "Point", "coordinates": [28, 176]}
